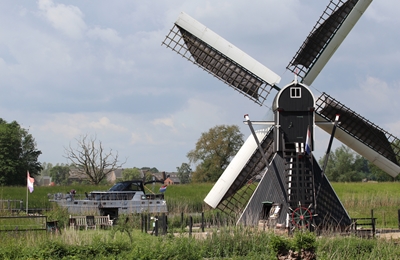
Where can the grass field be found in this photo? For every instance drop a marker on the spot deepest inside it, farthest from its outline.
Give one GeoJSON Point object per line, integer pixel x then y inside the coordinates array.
{"type": "Point", "coordinates": [358, 198]}
{"type": "Point", "coordinates": [225, 243]}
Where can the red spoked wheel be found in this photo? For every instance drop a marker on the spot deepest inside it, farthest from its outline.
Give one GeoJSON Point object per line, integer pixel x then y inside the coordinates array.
{"type": "Point", "coordinates": [302, 216]}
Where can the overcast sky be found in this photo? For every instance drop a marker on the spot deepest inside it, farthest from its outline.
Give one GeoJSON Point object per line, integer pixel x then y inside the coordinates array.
{"type": "Point", "coordinates": [71, 68]}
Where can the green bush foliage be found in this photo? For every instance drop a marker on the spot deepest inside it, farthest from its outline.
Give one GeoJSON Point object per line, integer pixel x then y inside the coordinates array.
{"type": "Point", "coordinates": [304, 240]}
{"type": "Point", "coordinates": [225, 243]}
{"type": "Point", "coordinates": [279, 244]}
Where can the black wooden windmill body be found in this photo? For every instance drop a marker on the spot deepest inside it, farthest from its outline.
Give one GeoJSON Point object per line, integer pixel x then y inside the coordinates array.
{"type": "Point", "coordinates": [275, 175]}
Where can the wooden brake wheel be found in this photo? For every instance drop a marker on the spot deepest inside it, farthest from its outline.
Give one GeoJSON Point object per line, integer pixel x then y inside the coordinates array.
{"type": "Point", "coordinates": [302, 216]}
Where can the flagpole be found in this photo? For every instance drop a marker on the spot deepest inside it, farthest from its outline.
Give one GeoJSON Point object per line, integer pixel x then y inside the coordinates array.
{"type": "Point", "coordinates": [27, 176]}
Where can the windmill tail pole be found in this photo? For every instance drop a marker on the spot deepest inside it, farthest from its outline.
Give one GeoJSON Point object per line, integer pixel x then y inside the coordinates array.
{"type": "Point", "coordinates": [328, 151]}
{"type": "Point", "coordinates": [263, 154]}
{"type": "Point", "coordinates": [256, 138]}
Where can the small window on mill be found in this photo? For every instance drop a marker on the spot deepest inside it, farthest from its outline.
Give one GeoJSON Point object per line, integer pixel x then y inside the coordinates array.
{"type": "Point", "coordinates": [295, 92]}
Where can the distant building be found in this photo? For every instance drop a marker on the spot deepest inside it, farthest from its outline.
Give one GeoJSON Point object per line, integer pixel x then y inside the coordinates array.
{"type": "Point", "coordinates": [75, 176]}
{"type": "Point", "coordinates": [159, 176]}
{"type": "Point", "coordinates": [43, 180]}
{"type": "Point", "coordinates": [115, 176]}
{"type": "Point", "coordinates": [172, 178]}
{"type": "Point", "coordinates": [172, 181]}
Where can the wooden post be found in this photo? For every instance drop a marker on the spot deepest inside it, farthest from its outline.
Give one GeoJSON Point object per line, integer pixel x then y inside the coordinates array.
{"type": "Point", "coordinates": [164, 223]}
{"type": "Point", "coordinates": [142, 222]}
{"type": "Point", "coordinates": [145, 223]}
{"type": "Point", "coordinates": [373, 223]}
{"type": "Point", "coordinates": [190, 226]}
{"type": "Point", "coordinates": [398, 217]}
{"type": "Point", "coordinates": [182, 226]}
{"type": "Point", "coordinates": [202, 221]}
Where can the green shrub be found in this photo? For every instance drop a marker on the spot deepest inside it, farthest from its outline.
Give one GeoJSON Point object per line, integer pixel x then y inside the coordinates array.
{"type": "Point", "coordinates": [51, 249]}
{"type": "Point", "coordinates": [279, 244]}
{"type": "Point", "coordinates": [304, 240]}
{"type": "Point", "coordinates": [59, 214]}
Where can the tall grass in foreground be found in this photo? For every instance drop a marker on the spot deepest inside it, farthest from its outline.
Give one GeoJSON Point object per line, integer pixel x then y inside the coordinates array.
{"type": "Point", "coordinates": [226, 243]}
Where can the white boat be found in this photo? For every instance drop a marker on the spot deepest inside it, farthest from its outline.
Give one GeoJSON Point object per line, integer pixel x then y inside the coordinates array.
{"type": "Point", "coordinates": [123, 198]}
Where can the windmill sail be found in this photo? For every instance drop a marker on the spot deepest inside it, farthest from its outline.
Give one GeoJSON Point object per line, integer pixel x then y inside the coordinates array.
{"type": "Point", "coordinates": [220, 58]}
{"type": "Point", "coordinates": [331, 29]}
{"type": "Point", "coordinates": [246, 166]}
{"type": "Point", "coordinates": [369, 140]}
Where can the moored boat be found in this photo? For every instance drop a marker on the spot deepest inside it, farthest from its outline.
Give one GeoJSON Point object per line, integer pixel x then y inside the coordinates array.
{"type": "Point", "coordinates": [123, 198]}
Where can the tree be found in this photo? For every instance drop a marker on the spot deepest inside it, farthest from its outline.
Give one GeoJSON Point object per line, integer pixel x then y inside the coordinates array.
{"type": "Point", "coordinates": [148, 169]}
{"type": "Point", "coordinates": [345, 165]}
{"type": "Point", "coordinates": [46, 167]}
{"type": "Point", "coordinates": [18, 154]}
{"type": "Point", "coordinates": [184, 173]}
{"type": "Point", "coordinates": [379, 175]}
{"type": "Point", "coordinates": [131, 174]}
{"type": "Point", "coordinates": [59, 174]}
{"type": "Point", "coordinates": [90, 159]}
{"type": "Point", "coordinates": [214, 151]}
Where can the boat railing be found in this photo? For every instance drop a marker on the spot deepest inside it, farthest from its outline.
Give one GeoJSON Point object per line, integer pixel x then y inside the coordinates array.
{"type": "Point", "coordinates": [111, 196]}
{"type": "Point", "coordinates": [153, 197]}
{"type": "Point", "coordinates": [105, 196]}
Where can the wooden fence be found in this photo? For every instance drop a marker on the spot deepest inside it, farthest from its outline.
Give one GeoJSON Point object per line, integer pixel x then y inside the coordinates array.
{"type": "Point", "coordinates": [23, 223]}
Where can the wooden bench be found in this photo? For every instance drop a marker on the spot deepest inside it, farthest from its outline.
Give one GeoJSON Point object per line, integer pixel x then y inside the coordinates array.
{"type": "Point", "coordinates": [358, 225]}
{"type": "Point", "coordinates": [103, 221]}
{"type": "Point", "coordinates": [78, 222]}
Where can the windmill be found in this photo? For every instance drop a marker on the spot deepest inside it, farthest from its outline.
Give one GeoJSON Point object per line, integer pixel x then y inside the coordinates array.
{"type": "Point", "coordinates": [274, 175]}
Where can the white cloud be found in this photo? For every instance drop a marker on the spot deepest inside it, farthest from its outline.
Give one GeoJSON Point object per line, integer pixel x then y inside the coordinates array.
{"type": "Point", "coordinates": [394, 128]}
{"type": "Point", "coordinates": [135, 138]}
{"type": "Point", "coordinates": [377, 90]}
{"type": "Point", "coordinates": [384, 11]}
{"type": "Point", "coordinates": [115, 64]}
{"type": "Point", "coordinates": [66, 18]}
{"type": "Point", "coordinates": [379, 94]}
{"type": "Point", "coordinates": [105, 123]}
{"type": "Point", "coordinates": [107, 35]}
{"type": "Point", "coordinates": [150, 139]}
{"type": "Point", "coordinates": [74, 125]}
{"type": "Point", "coordinates": [64, 125]}
{"type": "Point", "coordinates": [167, 121]}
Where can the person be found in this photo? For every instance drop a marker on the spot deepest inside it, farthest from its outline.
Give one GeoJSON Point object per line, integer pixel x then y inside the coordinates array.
{"type": "Point", "coordinates": [72, 193]}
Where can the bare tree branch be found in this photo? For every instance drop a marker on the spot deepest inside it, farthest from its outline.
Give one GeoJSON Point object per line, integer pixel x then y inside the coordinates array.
{"type": "Point", "coordinates": [90, 159]}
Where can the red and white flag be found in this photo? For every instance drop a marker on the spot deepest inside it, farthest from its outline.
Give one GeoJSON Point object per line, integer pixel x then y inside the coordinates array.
{"type": "Point", "coordinates": [163, 188]}
{"type": "Point", "coordinates": [30, 183]}
{"type": "Point", "coordinates": [308, 141]}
